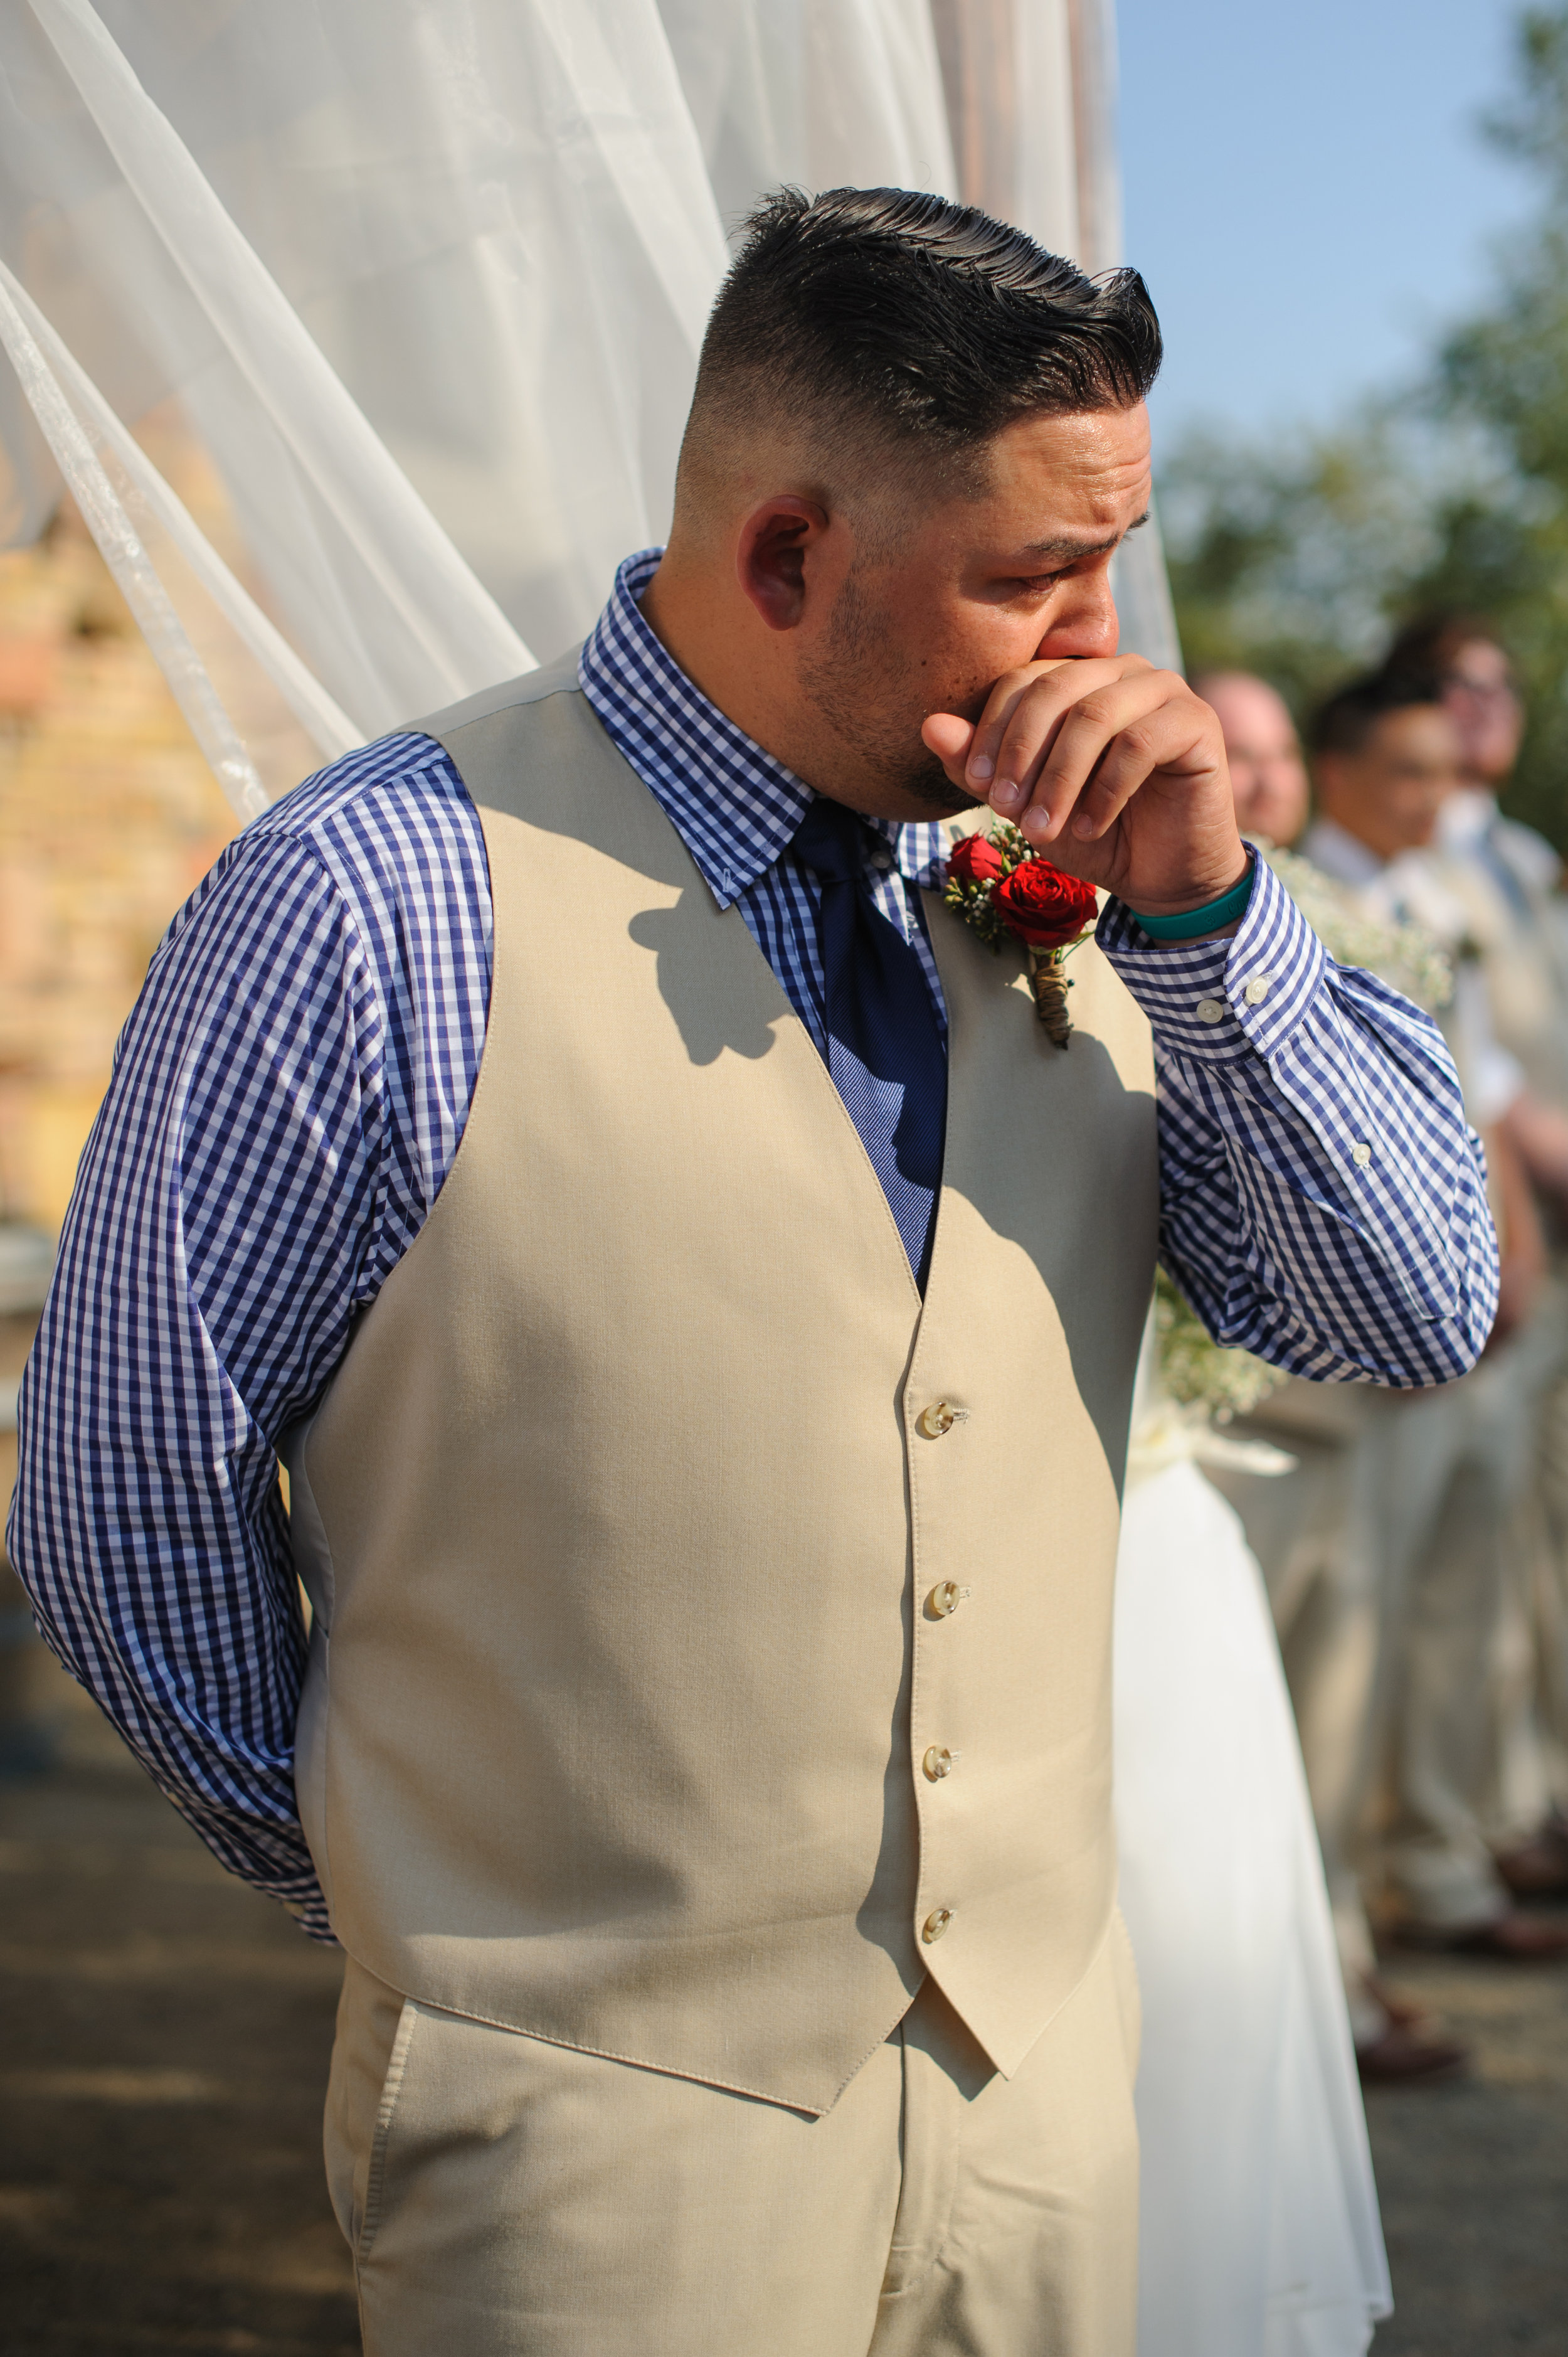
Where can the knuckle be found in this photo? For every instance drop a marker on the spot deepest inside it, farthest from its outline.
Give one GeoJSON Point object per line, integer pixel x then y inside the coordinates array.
{"type": "Point", "coordinates": [1040, 698]}
{"type": "Point", "coordinates": [1105, 792]}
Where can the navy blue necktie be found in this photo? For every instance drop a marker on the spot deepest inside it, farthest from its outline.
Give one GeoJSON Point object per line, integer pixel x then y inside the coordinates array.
{"type": "Point", "coordinates": [886, 1054]}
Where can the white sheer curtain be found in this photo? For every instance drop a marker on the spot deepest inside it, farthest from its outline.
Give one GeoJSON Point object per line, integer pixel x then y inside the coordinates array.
{"type": "Point", "coordinates": [401, 263]}
{"type": "Point", "coordinates": [429, 277]}
{"type": "Point", "coordinates": [814, 93]}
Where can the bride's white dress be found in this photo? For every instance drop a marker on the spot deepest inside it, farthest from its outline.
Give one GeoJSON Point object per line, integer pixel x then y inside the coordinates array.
{"type": "Point", "coordinates": [1260, 2234]}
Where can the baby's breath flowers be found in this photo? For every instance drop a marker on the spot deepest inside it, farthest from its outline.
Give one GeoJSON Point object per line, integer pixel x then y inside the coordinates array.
{"type": "Point", "coordinates": [1197, 1371]}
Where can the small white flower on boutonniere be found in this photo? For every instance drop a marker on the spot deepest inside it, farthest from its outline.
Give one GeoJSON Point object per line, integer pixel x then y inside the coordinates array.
{"type": "Point", "coordinates": [1005, 891]}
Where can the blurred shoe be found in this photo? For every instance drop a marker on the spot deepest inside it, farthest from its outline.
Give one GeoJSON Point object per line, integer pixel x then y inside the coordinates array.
{"type": "Point", "coordinates": [1538, 1868]}
{"type": "Point", "coordinates": [1400, 2010]}
{"type": "Point", "coordinates": [1515, 1939]}
{"type": "Point", "coordinates": [1401, 2057]}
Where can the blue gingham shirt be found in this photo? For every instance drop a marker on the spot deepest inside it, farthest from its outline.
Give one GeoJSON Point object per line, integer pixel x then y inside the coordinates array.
{"type": "Point", "coordinates": [290, 1090]}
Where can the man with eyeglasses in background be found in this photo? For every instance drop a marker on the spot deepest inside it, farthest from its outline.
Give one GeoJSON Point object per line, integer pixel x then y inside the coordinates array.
{"type": "Point", "coordinates": [1510, 877]}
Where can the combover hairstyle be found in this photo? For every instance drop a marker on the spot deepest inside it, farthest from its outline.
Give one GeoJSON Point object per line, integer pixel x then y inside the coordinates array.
{"type": "Point", "coordinates": [881, 326]}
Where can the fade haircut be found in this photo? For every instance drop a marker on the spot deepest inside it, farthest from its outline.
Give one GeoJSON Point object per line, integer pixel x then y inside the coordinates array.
{"type": "Point", "coordinates": [894, 333]}
{"type": "Point", "coordinates": [1345, 722]}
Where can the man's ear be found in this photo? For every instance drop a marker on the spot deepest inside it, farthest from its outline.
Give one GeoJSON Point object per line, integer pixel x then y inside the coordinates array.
{"type": "Point", "coordinates": [772, 558]}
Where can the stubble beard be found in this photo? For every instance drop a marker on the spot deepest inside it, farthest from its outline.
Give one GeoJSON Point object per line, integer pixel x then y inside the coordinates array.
{"type": "Point", "coordinates": [873, 699]}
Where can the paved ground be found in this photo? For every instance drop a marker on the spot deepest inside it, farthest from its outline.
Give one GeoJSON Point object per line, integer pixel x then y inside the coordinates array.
{"type": "Point", "coordinates": [164, 2036]}
{"type": "Point", "coordinates": [1474, 2176]}
{"type": "Point", "coordinates": [163, 2049]}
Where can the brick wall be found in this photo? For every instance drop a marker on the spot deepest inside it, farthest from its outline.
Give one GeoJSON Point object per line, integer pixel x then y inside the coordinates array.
{"type": "Point", "coordinates": [108, 816]}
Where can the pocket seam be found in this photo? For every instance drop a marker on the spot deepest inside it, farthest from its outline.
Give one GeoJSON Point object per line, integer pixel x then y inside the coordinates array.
{"type": "Point", "coordinates": [391, 2087]}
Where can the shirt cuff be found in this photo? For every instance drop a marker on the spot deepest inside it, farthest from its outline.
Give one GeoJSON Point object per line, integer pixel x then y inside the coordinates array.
{"type": "Point", "coordinates": [1217, 1002]}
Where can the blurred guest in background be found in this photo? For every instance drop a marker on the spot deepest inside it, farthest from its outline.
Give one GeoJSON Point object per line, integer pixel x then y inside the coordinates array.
{"type": "Point", "coordinates": [1388, 758]}
{"type": "Point", "coordinates": [1388, 1550]}
{"type": "Point", "coordinates": [1509, 878]}
{"type": "Point", "coordinates": [1268, 776]}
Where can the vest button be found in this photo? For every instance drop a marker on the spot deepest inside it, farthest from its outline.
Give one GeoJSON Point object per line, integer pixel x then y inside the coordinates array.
{"type": "Point", "coordinates": [935, 1924]}
{"type": "Point", "coordinates": [938, 1762]}
{"type": "Point", "coordinates": [944, 1598]}
{"type": "Point", "coordinates": [935, 1420]}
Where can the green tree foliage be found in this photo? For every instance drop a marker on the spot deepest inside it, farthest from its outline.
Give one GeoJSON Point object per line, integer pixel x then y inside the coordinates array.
{"type": "Point", "coordinates": [1299, 558]}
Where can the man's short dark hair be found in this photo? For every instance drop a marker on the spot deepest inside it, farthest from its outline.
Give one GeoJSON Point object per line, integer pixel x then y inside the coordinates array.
{"type": "Point", "coordinates": [1345, 722]}
{"type": "Point", "coordinates": [1428, 647]}
{"type": "Point", "coordinates": [878, 318]}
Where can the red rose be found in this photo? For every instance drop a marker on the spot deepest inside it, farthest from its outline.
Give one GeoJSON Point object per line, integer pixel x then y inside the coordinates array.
{"type": "Point", "coordinates": [1043, 907]}
{"type": "Point", "coordinates": [974, 861]}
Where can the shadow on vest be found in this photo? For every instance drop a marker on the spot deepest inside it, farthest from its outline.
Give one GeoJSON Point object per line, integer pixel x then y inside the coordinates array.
{"type": "Point", "coordinates": [706, 1027]}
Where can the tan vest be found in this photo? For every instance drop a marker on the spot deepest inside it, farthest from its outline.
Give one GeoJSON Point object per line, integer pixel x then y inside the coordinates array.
{"type": "Point", "coordinates": [623, 1523]}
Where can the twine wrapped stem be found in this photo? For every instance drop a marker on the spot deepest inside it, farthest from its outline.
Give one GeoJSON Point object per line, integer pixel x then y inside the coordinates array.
{"type": "Point", "coordinates": [1051, 986]}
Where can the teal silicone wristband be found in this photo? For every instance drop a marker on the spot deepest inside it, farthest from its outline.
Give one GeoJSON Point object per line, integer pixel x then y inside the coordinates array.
{"type": "Point", "coordinates": [1190, 923]}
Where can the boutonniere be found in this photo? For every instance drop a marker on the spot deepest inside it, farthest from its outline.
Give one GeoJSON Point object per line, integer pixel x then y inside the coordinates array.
{"type": "Point", "coordinates": [1005, 891]}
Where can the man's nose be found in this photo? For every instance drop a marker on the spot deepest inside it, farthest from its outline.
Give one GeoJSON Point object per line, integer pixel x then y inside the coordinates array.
{"type": "Point", "coordinates": [1086, 623]}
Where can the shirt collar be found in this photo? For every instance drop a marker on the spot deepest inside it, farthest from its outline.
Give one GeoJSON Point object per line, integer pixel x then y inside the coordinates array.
{"type": "Point", "coordinates": [735, 806]}
{"type": "Point", "coordinates": [1467, 817]}
{"type": "Point", "coordinates": [1341, 854]}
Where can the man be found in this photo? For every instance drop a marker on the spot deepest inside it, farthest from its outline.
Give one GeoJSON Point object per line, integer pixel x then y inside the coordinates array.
{"type": "Point", "coordinates": [1268, 776]}
{"type": "Point", "coordinates": [1510, 877]}
{"type": "Point", "coordinates": [1441, 1482]}
{"type": "Point", "coordinates": [1322, 1564]}
{"type": "Point", "coordinates": [706, 1412]}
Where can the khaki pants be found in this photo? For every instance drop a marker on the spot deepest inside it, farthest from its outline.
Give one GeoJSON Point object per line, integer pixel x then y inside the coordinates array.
{"type": "Point", "coordinates": [1533, 1776]}
{"type": "Point", "coordinates": [1468, 1460]}
{"type": "Point", "coordinates": [507, 2198]}
{"type": "Point", "coordinates": [1391, 1556]}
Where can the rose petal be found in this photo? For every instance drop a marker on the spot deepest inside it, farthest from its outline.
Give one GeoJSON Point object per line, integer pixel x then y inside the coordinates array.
{"type": "Point", "coordinates": [973, 860]}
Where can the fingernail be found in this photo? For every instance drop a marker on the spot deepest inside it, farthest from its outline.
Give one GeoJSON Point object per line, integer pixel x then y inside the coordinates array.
{"type": "Point", "coordinates": [1037, 823]}
{"type": "Point", "coordinates": [981, 767]}
{"type": "Point", "coordinates": [1082, 824]}
{"type": "Point", "coordinates": [1006, 794]}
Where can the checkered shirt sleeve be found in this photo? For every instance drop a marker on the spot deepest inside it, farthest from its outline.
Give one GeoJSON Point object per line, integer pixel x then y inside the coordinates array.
{"type": "Point", "coordinates": [287, 1097]}
{"type": "Point", "coordinates": [1322, 1198]}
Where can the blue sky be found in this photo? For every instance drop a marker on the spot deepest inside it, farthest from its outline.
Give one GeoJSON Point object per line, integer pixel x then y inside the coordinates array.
{"type": "Point", "coordinates": [1307, 193]}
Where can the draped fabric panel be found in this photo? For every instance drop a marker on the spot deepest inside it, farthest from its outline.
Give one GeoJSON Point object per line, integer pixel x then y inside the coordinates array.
{"type": "Point", "coordinates": [428, 280]}
{"type": "Point", "coordinates": [813, 93]}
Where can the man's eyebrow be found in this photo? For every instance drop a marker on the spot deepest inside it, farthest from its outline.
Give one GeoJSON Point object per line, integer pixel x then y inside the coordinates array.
{"type": "Point", "coordinates": [1071, 550]}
